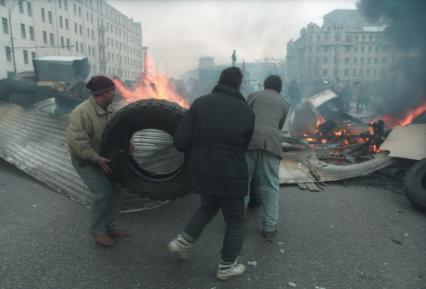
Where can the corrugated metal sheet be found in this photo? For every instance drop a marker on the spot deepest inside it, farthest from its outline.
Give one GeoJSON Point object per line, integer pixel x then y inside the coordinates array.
{"type": "Point", "coordinates": [35, 142]}
{"type": "Point", "coordinates": [325, 172]}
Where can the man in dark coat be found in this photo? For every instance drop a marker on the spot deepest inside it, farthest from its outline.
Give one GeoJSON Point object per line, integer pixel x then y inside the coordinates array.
{"type": "Point", "coordinates": [215, 133]}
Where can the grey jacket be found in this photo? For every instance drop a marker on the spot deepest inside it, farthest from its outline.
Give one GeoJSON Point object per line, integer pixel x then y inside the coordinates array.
{"type": "Point", "coordinates": [270, 109]}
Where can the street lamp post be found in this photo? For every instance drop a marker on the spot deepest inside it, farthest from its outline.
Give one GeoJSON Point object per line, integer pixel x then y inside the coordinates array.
{"type": "Point", "coordinates": [11, 6]}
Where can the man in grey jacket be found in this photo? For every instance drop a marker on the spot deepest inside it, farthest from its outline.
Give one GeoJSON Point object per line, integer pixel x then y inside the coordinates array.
{"type": "Point", "coordinates": [264, 151]}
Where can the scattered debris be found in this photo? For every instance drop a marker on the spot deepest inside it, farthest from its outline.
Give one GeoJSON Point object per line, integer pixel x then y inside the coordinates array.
{"type": "Point", "coordinates": [282, 251]}
{"type": "Point", "coordinates": [396, 241]}
{"type": "Point", "coordinates": [291, 284]}
{"type": "Point", "coordinates": [252, 263]}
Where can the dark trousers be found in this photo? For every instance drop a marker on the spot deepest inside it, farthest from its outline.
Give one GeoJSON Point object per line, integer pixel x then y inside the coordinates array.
{"type": "Point", "coordinates": [234, 215]}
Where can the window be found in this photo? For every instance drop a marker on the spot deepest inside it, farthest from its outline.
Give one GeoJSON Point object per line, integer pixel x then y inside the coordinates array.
{"type": "Point", "coordinates": [49, 14]}
{"type": "Point", "coordinates": [66, 5]}
{"type": "Point", "coordinates": [31, 31]}
{"type": "Point", "coordinates": [25, 53]}
{"type": "Point", "coordinates": [23, 32]}
{"type": "Point", "coordinates": [76, 46]}
{"type": "Point", "coordinates": [87, 15]}
{"type": "Point", "coordinates": [91, 17]}
{"type": "Point", "coordinates": [355, 60]}
{"type": "Point", "coordinates": [376, 60]}
{"type": "Point", "coordinates": [43, 15]}
{"type": "Point", "coordinates": [346, 72]}
{"type": "Point", "coordinates": [21, 7]}
{"type": "Point", "coordinates": [79, 11]}
{"type": "Point", "coordinates": [60, 3]}
{"type": "Point", "coordinates": [33, 55]}
{"type": "Point", "coordinates": [74, 9]}
{"type": "Point", "coordinates": [347, 49]}
{"type": "Point", "coordinates": [5, 25]}
{"type": "Point", "coordinates": [29, 9]}
{"type": "Point", "coordinates": [52, 40]}
{"type": "Point", "coordinates": [384, 60]}
{"type": "Point", "coordinates": [45, 37]}
{"type": "Point", "coordinates": [88, 33]}
{"type": "Point", "coordinates": [347, 60]}
{"type": "Point", "coordinates": [324, 72]}
{"type": "Point", "coordinates": [361, 60]}
{"type": "Point", "coordinates": [68, 44]}
{"type": "Point", "coordinates": [370, 48]}
{"type": "Point", "coordinates": [354, 72]}
{"type": "Point", "coordinates": [93, 35]}
{"type": "Point", "coordinates": [3, 2]}
{"type": "Point", "coordinates": [67, 24]}
{"type": "Point", "coordinates": [81, 30]}
{"type": "Point", "coordinates": [362, 48]}
{"type": "Point", "coordinates": [75, 28]}
{"type": "Point", "coordinates": [8, 53]}
{"type": "Point", "coordinates": [369, 60]}
{"type": "Point", "coordinates": [62, 42]}
{"type": "Point", "coordinates": [325, 60]}
{"type": "Point", "coordinates": [356, 49]}
{"type": "Point", "coordinates": [61, 22]}
{"type": "Point", "coordinates": [81, 47]}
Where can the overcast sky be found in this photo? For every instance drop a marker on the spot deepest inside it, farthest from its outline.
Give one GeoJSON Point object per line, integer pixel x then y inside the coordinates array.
{"type": "Point", "coordinates": [179, 32]}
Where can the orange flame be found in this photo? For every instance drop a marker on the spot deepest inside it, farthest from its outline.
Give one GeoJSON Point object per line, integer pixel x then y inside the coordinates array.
{"type": "Point", "coordinates": [320, 120]}
{"type": "Point", "coordinates": [154, 85]}
{"type": "Point", "coordinates": [405, 120]}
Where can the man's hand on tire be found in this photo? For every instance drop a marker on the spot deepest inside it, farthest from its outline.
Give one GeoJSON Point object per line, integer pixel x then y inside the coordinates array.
{"type": "Point", "coordinates": [104, 164]}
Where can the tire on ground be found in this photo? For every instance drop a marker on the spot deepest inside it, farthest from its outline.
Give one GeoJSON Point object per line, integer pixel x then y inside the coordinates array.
{"type": "Point", "coordinates": [415, 184]}
{"type": "Point", "coordinates": [143, 114]}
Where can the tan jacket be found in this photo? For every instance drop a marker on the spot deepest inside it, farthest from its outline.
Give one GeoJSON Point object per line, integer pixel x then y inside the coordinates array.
{"type": "Point", "coordinates": [86, 125]}
{"type": "Point", "coordinates": [270, 109]}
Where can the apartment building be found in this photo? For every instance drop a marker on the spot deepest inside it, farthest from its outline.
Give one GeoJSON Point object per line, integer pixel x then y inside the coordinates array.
{"type": "Point", "coordinates": [346, 47]}
{"type": "Point", "coordinates": [92, 28]}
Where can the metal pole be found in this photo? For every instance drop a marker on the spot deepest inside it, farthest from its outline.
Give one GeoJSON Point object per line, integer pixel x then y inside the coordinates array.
{"type": "Point", "coordinates": [11, 38]}
{"type": "Point", "coordinates": [12, 5]}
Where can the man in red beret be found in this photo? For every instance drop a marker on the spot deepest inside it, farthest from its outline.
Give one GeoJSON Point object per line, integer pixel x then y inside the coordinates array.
{"type": "Point", "coordinates": [85, 128]}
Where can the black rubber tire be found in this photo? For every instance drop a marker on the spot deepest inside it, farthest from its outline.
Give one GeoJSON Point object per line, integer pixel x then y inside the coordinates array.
{"type": "Point", "coordinates": [144, 114]}
{"type": "Point", "coordinates": [415, 184]}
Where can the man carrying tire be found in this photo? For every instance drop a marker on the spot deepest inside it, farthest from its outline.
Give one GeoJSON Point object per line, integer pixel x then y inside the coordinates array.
{"type": "Point", "coordinates": [264, 152]}
{"type": "Point", "coordinates": [215, 133]}
{"type": "Point", "coordinates": [85, 128]}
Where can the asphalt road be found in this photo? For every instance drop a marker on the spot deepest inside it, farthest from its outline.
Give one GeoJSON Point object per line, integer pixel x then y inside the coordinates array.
{"type": "Point", "coordinates": [341, 238]}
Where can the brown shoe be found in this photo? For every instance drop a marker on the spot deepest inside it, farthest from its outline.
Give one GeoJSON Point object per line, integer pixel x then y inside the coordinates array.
{"type": "Point", "coordinates": [104, 240]}
{"type": "Point", "coordinates": [119, 234]}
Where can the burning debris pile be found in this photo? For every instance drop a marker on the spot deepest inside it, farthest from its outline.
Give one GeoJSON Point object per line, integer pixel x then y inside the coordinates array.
{"type": "Point", "coordinates": [338, 137]}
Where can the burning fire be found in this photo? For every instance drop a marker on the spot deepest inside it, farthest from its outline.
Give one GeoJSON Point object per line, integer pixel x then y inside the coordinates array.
{"type": "Point", "coordinates": [320, 120]}
{"type": "Point", "coordinates": [406, 119]}
{"type": "Point", "coordinates": [154, 85]}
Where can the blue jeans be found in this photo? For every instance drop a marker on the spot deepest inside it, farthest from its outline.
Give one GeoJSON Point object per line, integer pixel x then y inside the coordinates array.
{"type": "Point", "coordinates": [107, 197]}
{"type": "Point", "coordinates": [263, 169]}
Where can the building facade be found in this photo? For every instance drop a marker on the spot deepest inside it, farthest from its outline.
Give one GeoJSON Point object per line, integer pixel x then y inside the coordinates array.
{"type": "Point", "coordinates": [346, 47]}
{"type": "Point", "coordinates": [92, 28]}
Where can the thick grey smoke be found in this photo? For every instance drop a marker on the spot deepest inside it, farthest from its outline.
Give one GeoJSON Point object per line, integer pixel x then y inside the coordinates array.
{"type": "Point", "coordinates": [407, 22]}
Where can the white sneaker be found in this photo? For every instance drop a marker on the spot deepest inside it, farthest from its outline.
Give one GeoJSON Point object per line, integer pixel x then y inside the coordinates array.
{"type": "Point", "coordinates": [227, 271]}
{"type": "Point", "coordinates": [180, 246]}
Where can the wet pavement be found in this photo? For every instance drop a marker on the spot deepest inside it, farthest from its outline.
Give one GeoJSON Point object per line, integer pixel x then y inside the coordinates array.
{"type": "Point", "coordinates": [340, 238]}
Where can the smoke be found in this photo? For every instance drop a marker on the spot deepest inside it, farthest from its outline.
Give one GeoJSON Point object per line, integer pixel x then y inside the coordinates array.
{"type": "Point", "coordinates": [406, 23]}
